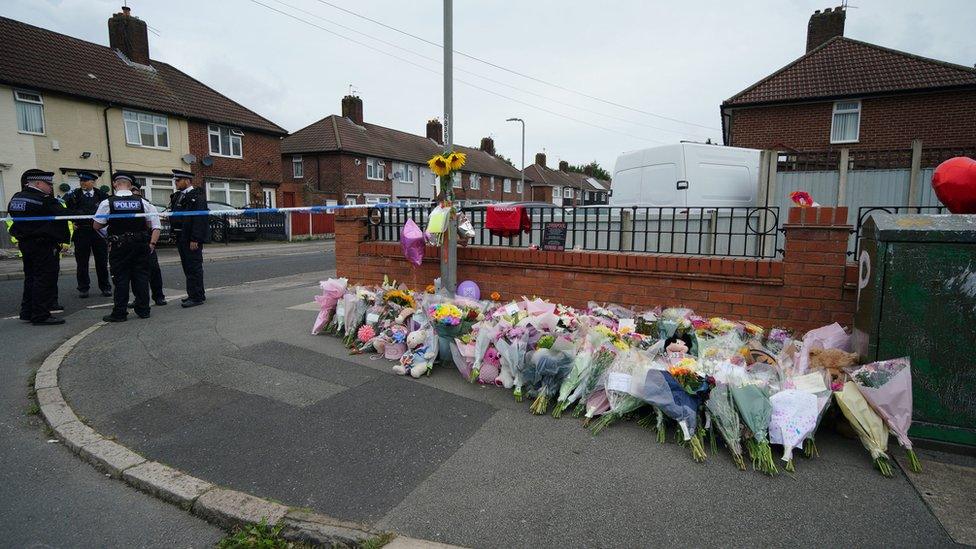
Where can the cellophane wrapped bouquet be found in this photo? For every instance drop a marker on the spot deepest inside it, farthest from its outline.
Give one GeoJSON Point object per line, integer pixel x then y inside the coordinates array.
{"type": "Point", "coordinates": [332, 291]}
{"type": "Point", "coordinates": [887, 386]}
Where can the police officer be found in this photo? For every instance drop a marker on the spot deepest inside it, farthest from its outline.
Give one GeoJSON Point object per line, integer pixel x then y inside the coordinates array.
{"type": "Point", "coordinates": [155, 275]}
{"type": "Point", "coordinates": [39, 242]}
{"type": "Point", "coordinates": [191, 232]}
{"type": "Point", "coordinates": [131, 240]}
{"type": "Point", "coordinates": [84, 201]}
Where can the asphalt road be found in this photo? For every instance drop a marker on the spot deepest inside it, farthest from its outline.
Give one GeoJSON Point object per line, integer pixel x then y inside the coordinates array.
{"type": "Point", "coordinates": [216, 274]}
{"type": "Point", "coordinates": [49, 497]}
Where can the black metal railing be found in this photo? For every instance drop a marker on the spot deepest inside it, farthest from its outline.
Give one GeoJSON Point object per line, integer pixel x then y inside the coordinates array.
{"type": "Point", "coordinates": [716, 231]}
{"type": "Point", "coordinates": [864, 211]}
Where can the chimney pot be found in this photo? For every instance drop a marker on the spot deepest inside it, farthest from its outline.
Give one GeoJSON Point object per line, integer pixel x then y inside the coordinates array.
{"type": "Point", "coordinates": [825, 25]}
{"type": "Point", "coordinates": [352, 108]}
{"type": "Point", "coordinates": [129, 35]}
{"type": "Point", "coordinates": [488, 145]}
{"type": "Point", "coordinates": [540, 159]}
{"type": "Point", "coordinates": [435, 130]}
{"type": "Point", "coordinates": [563, 166]}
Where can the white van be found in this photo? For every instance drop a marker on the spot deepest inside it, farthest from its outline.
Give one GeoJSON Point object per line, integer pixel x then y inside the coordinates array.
{"type": "Point", "coordinates": [686, 174]}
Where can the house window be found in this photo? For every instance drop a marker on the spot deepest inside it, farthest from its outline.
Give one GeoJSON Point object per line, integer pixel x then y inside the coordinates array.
{"type": "Point", "coordinates": [375, 169]}
{"type": "Point", "coordinates": [144, 129]}
{"type": "Point", "coordinates": [491, 182]}
{"type": "Point", "coordinates": [377, 198]}
{"type": "Point", "coordinates": [555, 191]}
{"type": "Point", "coordinates": [297, 168]}
{"type": "Point", "coordinates": [351, 199]}
{"type": "Point", "coordinates": [404, 172]}
{"type": "Point", "coordinates": [507, 185]}
{"type": "Point", "coordinates": [225, 141]}
{"type": "Point", "coordinates": [475, 180]}
{"type": "Point", "coordinates": [518, 186]}
{"type": "Point", "coordinates": [456, 180]}
{"type": "Point", "coordinates": [567, 192]}
{"type": "Point", "coordinates": [231, 192]}
{"type": "Point", "coordinates": [846, 123]}
{"type": "Point", "coordinates": [157, 190]}
{"type": "Point", "coordinates": [270, 198]}
{"type": "Point", "coordinates": [30, 112]}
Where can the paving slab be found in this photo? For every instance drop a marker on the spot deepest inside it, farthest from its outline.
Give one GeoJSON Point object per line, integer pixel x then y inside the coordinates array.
{"type": "Point", "coordinates": [292, 358]}
{"type": "Point", "coordinates": [947, 483]}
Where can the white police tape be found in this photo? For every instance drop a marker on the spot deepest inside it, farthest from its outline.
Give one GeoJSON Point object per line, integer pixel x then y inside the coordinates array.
{"type": "Point", "coordinates": [248, 211]}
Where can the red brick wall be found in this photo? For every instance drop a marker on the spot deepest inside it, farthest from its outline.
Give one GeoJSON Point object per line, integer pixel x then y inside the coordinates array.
{"type": "Point", "coordinates": [938, 119]}
{"type": "Point", "coordinates": [261, 160]}
{"type": "Point", "coordinates": [808, 288]}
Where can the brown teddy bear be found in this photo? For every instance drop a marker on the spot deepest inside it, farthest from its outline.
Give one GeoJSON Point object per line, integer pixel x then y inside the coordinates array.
{"type": "Point", "coordinates": [834, 361]}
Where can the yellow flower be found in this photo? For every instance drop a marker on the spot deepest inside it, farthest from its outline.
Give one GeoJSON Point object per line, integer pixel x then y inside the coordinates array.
{"type": "Point", "coordinates": [457, 160]}
{"type": "Point", "coordinates": [440, 165]}
{"type": "Point", "coordinates": [430, 289]}
{"type": "Point", "coordinates": [495, 296]}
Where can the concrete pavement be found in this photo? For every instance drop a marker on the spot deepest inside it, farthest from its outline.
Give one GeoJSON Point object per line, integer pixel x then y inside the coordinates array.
{"type": "Point", "coordinates": [237, 393]}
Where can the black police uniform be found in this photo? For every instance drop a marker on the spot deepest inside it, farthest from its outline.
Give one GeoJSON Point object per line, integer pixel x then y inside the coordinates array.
{"type": "Point", "coordinates": [87, 241]}
{"type": "Point", "coordinates": [39, 242]}
{"type": "Point", "coordinates": [128, 255]}
{"type": "Point", "coordinates": [191, 228]}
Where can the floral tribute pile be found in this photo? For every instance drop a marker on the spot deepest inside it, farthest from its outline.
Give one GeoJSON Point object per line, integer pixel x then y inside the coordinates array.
{"type": "Point", "coordinates": [705, 380]}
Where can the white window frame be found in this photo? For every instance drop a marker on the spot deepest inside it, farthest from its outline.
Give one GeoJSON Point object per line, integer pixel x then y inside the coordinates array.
{"type": "Point", "coordinates": [567, 192]}
{"type": "Point", "coordinates": [456, 180]}
{"type": "Point", "coordinates": [215, 187]}
{"type": "Point", "coordinates": [351, 199]}
{"type": "Point", "coordinates": [376, 198]}
{"type": "Point", "coordinates": [375, 169]}
{"type": "Point", "coordinates": [234, 135]}
{"type": "Point", "coordinates": [21, 101]}
{"type": "Point", "coordinates": [849, 111]}
{"type": "Point", "coordinates": [157, 121]}
{"type": "Point", "coordinates": [518, 187]}
{"type": "Point", "coordinates": [492, 184]}
{"type": "Point", "coordinates": [474, 182]}
{"type": "Point", "coordinates": [507, 185]}
{"type": "Point", "coordinates": [404, 172]}
{"type": "Point", "coordinates": [273, 195]}
{"type": "Point", "coordinates": [150, 184]}
{"type": "Point", "coordinates": [557, 191]}
{"type": "Point", "coordinates": [297, 167]}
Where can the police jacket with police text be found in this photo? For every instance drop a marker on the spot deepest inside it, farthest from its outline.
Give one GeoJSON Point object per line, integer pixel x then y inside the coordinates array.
{"type": "Point", "coordinates": [31, 202]}
{"type": "Point", "coordinates": [190, 228]}
{"type": "Point", "coordinates": [128, 204]}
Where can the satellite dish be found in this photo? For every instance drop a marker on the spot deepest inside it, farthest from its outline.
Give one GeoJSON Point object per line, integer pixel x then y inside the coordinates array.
{"type": "Point", "coordinates": [207, 161]}
{"type": "Point", "coordinates": [189, 158]}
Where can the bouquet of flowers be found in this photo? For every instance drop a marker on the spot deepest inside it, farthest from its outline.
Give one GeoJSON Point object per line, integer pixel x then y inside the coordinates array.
{"type": "Point", "coordinates": [512, 345]}
{"type": "Point", "coordinates": [816, 384]}
{"type": "Point", "coordinates": [553, 364]}
{"type": "Point", "coordinates": [595, 380]}
{"type": "Point", "coordinates": [571, 386]}
{"type": "Point", "coordinates": [721, 409]}
{"type": "Point", "coordinates": [793, 419]}
{"type": "Point", "coordinates": [620, 374]}
{"type": "Point", "coordinates": [868, 425]}
{"type": "Point", "coordinates": [332, 291]}
{"type": "Point", "coordinates": [355, 312]}
{"type": "Point", "coordinates": [678, 393]}
{"type": "Point", "coordinates": [751, 396]}
{"type": "Point", "coordinates": [887, 386]}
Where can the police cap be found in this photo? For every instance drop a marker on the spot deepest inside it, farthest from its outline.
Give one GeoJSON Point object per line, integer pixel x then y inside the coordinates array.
{"type": "Point", "coordinates": [87, 176]}
{"type": "Point", "coordinates": [182, 174]}
{"type": "Point", "coordinates": [123, 176]}
{"type": "Point", "coordinates": [36, 175]}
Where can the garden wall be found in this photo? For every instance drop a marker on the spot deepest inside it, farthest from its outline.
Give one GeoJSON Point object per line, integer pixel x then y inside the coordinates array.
{"type": "Point", "coordinates": [811, 286]}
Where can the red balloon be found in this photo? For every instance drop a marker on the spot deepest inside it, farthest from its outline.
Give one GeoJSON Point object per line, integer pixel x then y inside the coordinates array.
{"type": "Point", "coordinates": [954, 182]}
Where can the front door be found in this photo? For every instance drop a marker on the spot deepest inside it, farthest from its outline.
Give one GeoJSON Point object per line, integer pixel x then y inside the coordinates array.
{"type": "Point", "coordinates": [289, 199]}
{"type": "Point", "coordinates": [270, 198]}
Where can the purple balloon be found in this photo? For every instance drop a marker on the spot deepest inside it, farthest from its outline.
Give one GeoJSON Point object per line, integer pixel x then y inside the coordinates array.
{"type": "Point", "coordinates": [469, 289]}
{"type": "Point", "coordinates": [412, 242]}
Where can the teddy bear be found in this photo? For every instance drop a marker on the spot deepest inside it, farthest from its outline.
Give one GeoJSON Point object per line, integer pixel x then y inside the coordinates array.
{"type": "Point", "coordinates": [416, 361]}
{"type": "Point", "coordinates": [834, 361]}
{"type": "Point", "coordinates": [490, 366]}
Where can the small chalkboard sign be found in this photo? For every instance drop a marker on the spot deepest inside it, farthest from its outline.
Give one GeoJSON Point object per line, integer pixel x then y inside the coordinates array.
{"type": "Point", "coordinates": [554, 236]}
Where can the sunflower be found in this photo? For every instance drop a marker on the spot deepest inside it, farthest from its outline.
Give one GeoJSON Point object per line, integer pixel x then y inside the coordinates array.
{"type": "Point", "coordinates": [457, 160]}
{"type": "Point", "coordinates": [440, 165]}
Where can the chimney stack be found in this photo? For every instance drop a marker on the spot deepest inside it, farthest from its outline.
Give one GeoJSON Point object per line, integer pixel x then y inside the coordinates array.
{"type": "Point", "coordinates": [488, 145]}
{"type": "Point", "coordinates": [540, 159]}
{"type": "Point", "coordinates": [352, 108]}
{"type": "Point", "coordinates": [435, 130]}
{"type": "Point", "coordinates": [825, 25]}
{"type": "Point", "coordinates": [129, 35]}
{"type": "Point", "coordinates": [563, 166]}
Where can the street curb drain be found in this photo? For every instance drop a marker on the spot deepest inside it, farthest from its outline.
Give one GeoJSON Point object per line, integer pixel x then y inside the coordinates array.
{"type": "Point", "coordinates": [221, 506]}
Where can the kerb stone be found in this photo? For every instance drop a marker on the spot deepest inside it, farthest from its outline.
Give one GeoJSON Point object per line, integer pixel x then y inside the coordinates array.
{"type": "Point", "coordinates": [230, 508]}
{"type": "Point", "coordinates": [320, 530]}
{"type": "Point", "coordinates": [110, 457]}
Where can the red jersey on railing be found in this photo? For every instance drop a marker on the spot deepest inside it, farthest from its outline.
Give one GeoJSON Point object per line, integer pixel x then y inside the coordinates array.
{"type": "Point", "coordinates": [507, 220]}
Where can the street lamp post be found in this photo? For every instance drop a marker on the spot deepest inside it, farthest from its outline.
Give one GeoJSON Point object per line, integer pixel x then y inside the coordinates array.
{"type": "Point", "coordinates": [522, 176]}
{"type": "Point", "coordinates": [449, 259]}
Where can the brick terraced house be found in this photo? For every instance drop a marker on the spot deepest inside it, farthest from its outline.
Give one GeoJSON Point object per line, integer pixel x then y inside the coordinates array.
{"type": "Point", "coordinates": [563, 187]}
{"type": "Point", "coordinates": [852, 94]}
{"type": "Point", "coordinates": [341, 159]}
{"type": "Point", "coordinates": [68, 105]}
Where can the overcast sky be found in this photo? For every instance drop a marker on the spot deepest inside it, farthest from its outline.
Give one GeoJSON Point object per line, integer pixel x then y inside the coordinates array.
{"type": "Point", "coordinates": [678, 60]}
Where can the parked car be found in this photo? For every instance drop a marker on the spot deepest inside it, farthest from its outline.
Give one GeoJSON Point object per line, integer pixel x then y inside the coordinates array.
{"type": "Point", "coordinates": [222, 227]}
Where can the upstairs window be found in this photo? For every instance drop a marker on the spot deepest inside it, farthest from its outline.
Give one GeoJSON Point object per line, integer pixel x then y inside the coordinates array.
{"type": "Point", "coordinates": [846, 123]}
{"type": "Point", "coordinates": [375, 169]}
{"type": "Point", "coordinates": [144, 129]}
{"type": "Point", "coordinates": [225, 141]}
{"type": "Point", "coordinates": [30, 112]}
{"type": "Point", "coordinates": [297, 168]}
{"type": "Point", "coordinates": [403, 172]}
{"type": "Point", "coordinates": [475, 181]}
{"type": "Point", "coordinates": [567, 192]}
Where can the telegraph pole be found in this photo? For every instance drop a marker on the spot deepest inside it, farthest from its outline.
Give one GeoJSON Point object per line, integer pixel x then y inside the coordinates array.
{"type": "Point", "coordinates": [449, 258]}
